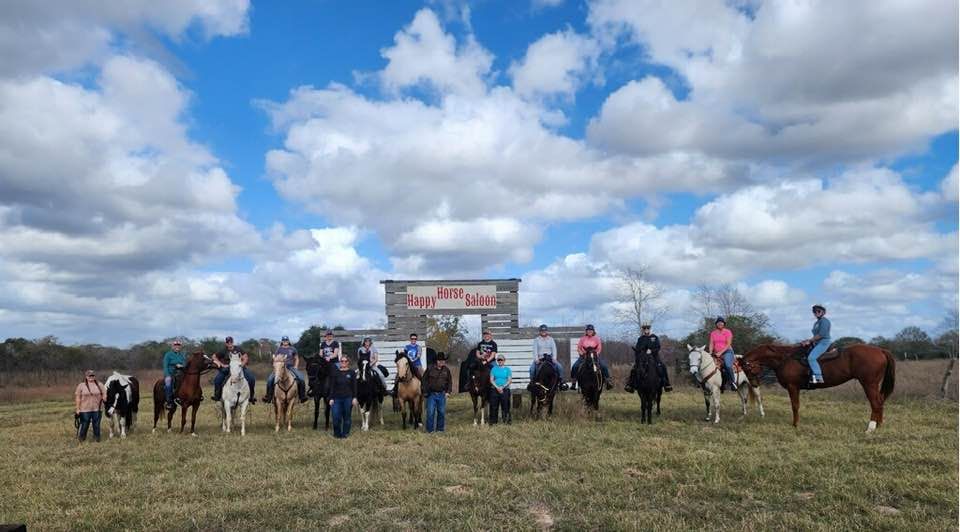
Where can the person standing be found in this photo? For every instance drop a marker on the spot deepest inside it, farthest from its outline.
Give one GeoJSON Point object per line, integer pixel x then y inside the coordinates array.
{"type": "Point", "coordinates": [544, 346]}
{"type": "Point", "coordinates": [650, 343]}
{"type": "Point", "coordinates": [292, 361]}
{"type": "Point", "coordinates": [590, 340]}
{"type": "Point", "coordinates": [342, 384]}
{"type": "Point", "coordinates": [437, 384]}
{"type": "Point", "coordinates": [721, 345]}
{"type": "Point", "coordinates": [172, 360]}
{"type": "Point", "coordinates": [820, 342]}
{"type": "Point", "coordinates": [88, 398]}
{"type": "Point", "coordinates": [500, 378]}
{"type": "Point", "coordinates": [222, 360]}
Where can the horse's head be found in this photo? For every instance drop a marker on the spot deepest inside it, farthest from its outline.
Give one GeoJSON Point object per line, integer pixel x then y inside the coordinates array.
{"type": "Point", "coordinates": [116, 399]}
{"type": "Point", "coordinates": [696, 355]}
{"type": "Point", "coordinates": [198, 362]}
{"type": "Point", "coordinates": [769, 355]}
{"type": "Point", "coordinates": [236, 368]}
{"type": "Point", "coordinates": [403, 366]}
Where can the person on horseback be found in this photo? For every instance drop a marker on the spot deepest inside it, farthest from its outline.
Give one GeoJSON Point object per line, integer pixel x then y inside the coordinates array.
{"type": "Point", "coordinates": [172, 360]}
{"type": "Point", "coordinates": [330, 348]}
{"type": "Point", "coordinates": [587, 341]}
{"type": "Point", "coordinates": [413, 352]}
{"type": "Point", "coordinates": [648, 342]}
{"type": "Point", "coordinates": [721, 342]}
{"type": "Point", "coordinates": [487, 348]}
{"type": "Point", "coordinates": [222, 360]}
{"type": "Point", "coordinates": [437, 385]}
{"type": "Point", "coordinates": [292, 361]}
{"type": "Point", "coordinates": [368, 352]}
{"type": "Point", "coordinates": [820, 342]}
{"type": "Point", "coordinates": [544, 350]}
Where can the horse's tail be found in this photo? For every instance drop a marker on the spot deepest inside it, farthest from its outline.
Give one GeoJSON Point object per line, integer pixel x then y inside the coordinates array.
{"type": "Point", "coordinates": [889, 376]}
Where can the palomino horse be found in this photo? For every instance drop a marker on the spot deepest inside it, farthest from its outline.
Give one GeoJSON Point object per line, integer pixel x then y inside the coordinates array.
{"type": "Point", "coordinates": [408, 392]}
{"type": "Point", "coordinates": [236, 397]}
{"type": "Point", "coordinates": [284, 393]}
{"type": "Point", "coordinates": [318, 371]}
{"type": "Point", "coordinates": [647, 384]}
{"type": "Point", "coordinates": [710, 379]}
{"type": "Point", "coordinates": [872, 366]}
{"type": "Point", "coordinates": [543, 387]}
{"type": "Point", "coordinates": [189, 394]}
{"type": "Point", "coordinates": [590, 379]}
{"type": "Point", "coordinates": [122, 402]}
{"type": "Point", "coordinates": [478, 384]}
{"type": "Point", "coordinates": [369, 400]}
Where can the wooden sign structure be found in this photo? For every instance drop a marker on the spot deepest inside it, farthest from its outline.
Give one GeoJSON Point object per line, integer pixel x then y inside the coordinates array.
{"type": "Point", "coordinates": [409, 303]}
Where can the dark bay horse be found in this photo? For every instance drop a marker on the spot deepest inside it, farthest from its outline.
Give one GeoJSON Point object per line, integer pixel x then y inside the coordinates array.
{"type": "Point", "coordinates": [478, 384]}
{"type": "Point", "coordinates": [590, 379]}
{"type": "Point", "coordinates": [872, 366]}
{"type": "Point", "coordinates": [646, 381]}
{"type": "Point", "coordinates": [543, 387]}
{"type": "Point", "coordinates": [190, 393]}
{"type": "Point", "coordinates": [318, 369]}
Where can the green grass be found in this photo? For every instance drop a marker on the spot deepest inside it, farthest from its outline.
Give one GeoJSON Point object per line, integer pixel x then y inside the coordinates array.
{"type": "Point", "coordinates": [571, 472]}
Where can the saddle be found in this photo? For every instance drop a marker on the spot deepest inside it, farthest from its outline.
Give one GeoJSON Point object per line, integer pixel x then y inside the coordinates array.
{"type": "Point", "coordinates": [831, 353]}
{"type": "Point", "coordinates": [718, 360]}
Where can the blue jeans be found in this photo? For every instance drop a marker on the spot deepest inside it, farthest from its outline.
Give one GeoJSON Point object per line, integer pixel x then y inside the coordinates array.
{"type": "Point", "coordinates": [87, 419]}
{"type": "Point", "coordinates": [225, 372]}
{"type": "Point", "coordinates": [168, 388]}
{"type": "Point", "coordinates": [436, 405]}
{"type": "Point", "coordinates": [533, 369]}
{"type": "Point", "coordinates": [818, 349]}
{"type": "Point", "coordinates": [728, 358]}
{"type": "Point", "coordinates": [272, 379]}
{"type": "Point", "coordinates": [603, 369]}
{"type": "Point", "coordinates": [342, 416]}
{"type": "Point", "coordinates": [499, 403]}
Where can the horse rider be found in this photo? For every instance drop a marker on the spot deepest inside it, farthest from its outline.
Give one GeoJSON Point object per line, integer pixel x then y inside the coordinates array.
{"type": "Point", "coordinates": [587, 341]}
{"type": "Point", "coordinates": [414, 355]}
{"type": "Point", "coordinates": [721, 345]}
{"type": "Point", "coordinates": [820, 342]}
{"type": "Point", "coordinates": [487, 348]}
{"type": "Point", "coordinates": [292, 361]}
{"type": "Point", "coordinates": [437, 384]}
{"type": "Point", "coordinates": [368, 352]}
{"type": "Point", "coordinates": [330, 348]}
{"type": "Point", "coordinates": [650, 343]}
{"type": "Point", "coordinates": [172, 361]}
{"type": "Point", "coordinates": [221, 359]}
{"type": "Point", "coordinates": [544, 350]}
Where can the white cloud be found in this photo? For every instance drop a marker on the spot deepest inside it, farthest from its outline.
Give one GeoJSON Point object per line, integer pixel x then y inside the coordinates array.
{"type": "Point", "coordinates": [557, 63]}
{"type": "Point", "coordinates": [949, 186]}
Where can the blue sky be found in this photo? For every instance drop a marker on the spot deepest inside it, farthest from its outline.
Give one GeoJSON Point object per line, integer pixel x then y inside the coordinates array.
{"type": "Point", "coordinates": [312, 148]}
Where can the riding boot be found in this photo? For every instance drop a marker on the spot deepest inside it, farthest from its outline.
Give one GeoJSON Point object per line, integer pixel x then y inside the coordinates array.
{"type": "Point", "coordinates": [217, 391]}
{"type": "Point", "coordinates": [665, 379]}
{"type": "Point", "coordinates": [302, 390]}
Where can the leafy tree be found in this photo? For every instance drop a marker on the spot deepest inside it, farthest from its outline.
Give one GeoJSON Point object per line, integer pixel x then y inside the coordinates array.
{"type": "Point", "coordinates": [845, 341]}
{"type": "Point", "coordinates": [447, 334]}
{"type": "Point", "coordinates": [748, 332]}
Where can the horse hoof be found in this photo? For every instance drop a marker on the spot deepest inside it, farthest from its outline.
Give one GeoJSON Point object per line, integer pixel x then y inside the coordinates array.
{"type": "Point", "coordinates": [194, 434]}
{"type": "Point", "coordinates": [872, 426]}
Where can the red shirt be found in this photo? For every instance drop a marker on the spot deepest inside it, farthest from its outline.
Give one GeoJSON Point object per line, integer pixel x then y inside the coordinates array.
{"type": "Point", "coordinates": [587, 342]}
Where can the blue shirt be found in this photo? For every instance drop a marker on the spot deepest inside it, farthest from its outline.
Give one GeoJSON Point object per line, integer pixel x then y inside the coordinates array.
{"type": "Point", "coordinates": [413, 353]}
{"type": "Point", "coordinates": [500, 375]}
{"type": "Point", "coordinates": [290, 352]}
{"type": "Point", "coordinates": [821, 328]}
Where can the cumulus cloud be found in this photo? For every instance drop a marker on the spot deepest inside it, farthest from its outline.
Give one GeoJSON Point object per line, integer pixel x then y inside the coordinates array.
{"type": "Point", "coordinates": [555, 64]}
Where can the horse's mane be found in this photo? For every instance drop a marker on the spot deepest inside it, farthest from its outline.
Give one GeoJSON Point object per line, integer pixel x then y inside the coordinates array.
{"type": "Point", "coordinates": [542, 367]}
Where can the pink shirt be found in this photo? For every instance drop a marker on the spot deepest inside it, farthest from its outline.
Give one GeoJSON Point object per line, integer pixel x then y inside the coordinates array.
{"type": "Point", "coordinates": [720, 340]}
{"type": "Point", "coordinates": [588, 342]}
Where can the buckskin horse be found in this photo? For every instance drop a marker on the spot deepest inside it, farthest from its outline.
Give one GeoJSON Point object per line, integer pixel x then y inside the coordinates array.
{"type": "Point", "coordinates": [872, 366]}
{"type": "Point", "coordinates": [478, 384]}
{"type": "Point", "coordinates": [543, 387]}
{"type": "Point", "coordinates": [318, 370]}
{"type": "Point", "coordinates": [590, 379]}
{"type": "Point", "coordinates": [408, 392]}
{"type": "Point", "coordinates": [646, 381]}
{"type": "Point", "coordinates": [284, 393]}
{"type": "Point", "coordinates": [189, 393]}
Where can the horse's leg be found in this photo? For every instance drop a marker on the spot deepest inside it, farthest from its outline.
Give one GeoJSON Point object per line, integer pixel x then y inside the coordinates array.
{"type": "Point", "coordinates": [659, 396]}
{"type": "Point", "coordinates": [742, 390]}
{"type": "Point", "coordinates": [716, 405]}
{"type": "Point", "coordinates": [476, 417]}
{"type": "Point", "coordinates": [876, 405]}
{"type": "Point", "coordinates": [316, 410]}
{"type": "Point", "coordinates": [291, 404]}
{"type": "Point", "coordinates": [170, 419]}
{"type": "Point", "coordinates": [227, 417]}
{"type": "Point", "coordinates": [183, 418]}
{"type": "Point", "coordinates": [123, 426]}
{"type": "Point", "coordinates": [794, 391]}
{"type": "Point", "coordinates": [243, 417]}
{"type": "Point", "coordinates": [193, 418]}
{"type": "Point", "coordinates": [756, 395]}
{"type": "Point", "coordinates": [276, 414]}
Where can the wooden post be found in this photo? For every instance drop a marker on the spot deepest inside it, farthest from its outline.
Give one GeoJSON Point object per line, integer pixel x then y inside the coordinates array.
{"type": "Point", "coordinates": [946, 378]}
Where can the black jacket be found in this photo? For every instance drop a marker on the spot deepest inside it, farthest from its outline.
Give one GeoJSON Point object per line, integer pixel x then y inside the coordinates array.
{"type": "Point", "coordinates": [651, 342]}
{"type": "Point", "coordinates": [342, 384]}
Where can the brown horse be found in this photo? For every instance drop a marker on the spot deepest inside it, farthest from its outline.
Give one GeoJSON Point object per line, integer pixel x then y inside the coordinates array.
{"type": "Point", "coordinates": [285, 393]}
{"type": "Point", "coordinates": [189, 393]}
{"type": "Point", "coordinates": [479, 387]}
{"type": "Point", "coordinates": [873, 366]}
{"type": "Point", "coordinates": [408, 392]}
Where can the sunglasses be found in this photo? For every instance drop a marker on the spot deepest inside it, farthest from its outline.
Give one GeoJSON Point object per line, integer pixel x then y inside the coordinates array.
{"type": "Point", "coordinates": [501, 360]}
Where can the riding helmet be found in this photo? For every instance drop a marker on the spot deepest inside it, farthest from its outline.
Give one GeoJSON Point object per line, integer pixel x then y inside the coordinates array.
{"type": "Point", "coordinates": [819, 306]}
{"type": "Point", "coordinates": [543, 326]}
{"type": "Point", "coordinates": [590, 328]}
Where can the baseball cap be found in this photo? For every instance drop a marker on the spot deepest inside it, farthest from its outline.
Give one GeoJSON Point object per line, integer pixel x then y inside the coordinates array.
{"type": "Point", "coordinates": [89, 373]}
{"type": "Point", "coordinates": [228, 340]}
{"type": "Point", "coordinates": [284, 338]}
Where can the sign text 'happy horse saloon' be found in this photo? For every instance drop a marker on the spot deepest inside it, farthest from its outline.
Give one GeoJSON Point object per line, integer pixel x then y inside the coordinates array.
{"type": "Point", "coordinates": [439, 297]}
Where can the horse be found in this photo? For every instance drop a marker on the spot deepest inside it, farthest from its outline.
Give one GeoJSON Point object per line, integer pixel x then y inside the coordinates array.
{"type": "Point", "coordinates": [189, 393]}
{"type": "Point", "coordinates": [543, 388]}
{"type": "Point", "coordinates": [369, 399]}
{"type": "Point", "coordinates": [478, 384]}
{"type": "Point", "coordinates": [590, 379]}
{"type": "Point", "coordinates": [318, 370]}
{"type": "Point", "coordinates": [872, 366]}
{"type": "Point", "coordinates": [711, 381]}
{"type": "Point", "coordinates": [646, 381]}
{"type": "Point", "coordinates": [285, 395]}
{"type": "Point", "coordinates": [122, 402]}
{"type": "Point", "coordinates": [408, 392]}
{"type": "Point", "coordinates": [236, 397]}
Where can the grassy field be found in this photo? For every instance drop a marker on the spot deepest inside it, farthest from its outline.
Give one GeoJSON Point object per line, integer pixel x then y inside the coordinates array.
{"type": "Point", "coordinates": [571, 472]}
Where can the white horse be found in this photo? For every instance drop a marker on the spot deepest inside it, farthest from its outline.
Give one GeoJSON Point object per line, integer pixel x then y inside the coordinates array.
{"type": "Point", "coordinates": [121, 403]}
{"type": "Point", "coordinates": [236, 397]}
{"type": "Point", "coordinates": [707, 373]}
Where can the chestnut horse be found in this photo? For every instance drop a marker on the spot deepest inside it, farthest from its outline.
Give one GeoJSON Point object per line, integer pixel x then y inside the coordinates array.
{"type": "Point", "coordinates": [189, 393]}
{"type": "Point", "coordinates": [873, 366]}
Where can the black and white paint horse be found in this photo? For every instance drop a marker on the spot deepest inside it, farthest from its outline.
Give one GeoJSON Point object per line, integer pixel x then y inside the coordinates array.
{"type": "Point", "coordinates": [122, 403]}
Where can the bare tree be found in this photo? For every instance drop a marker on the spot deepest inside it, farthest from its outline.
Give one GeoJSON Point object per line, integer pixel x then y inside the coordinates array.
{"type": "Point", "coordinates": [725, 300]}
{"type": "Point", "coordinates": [643, 297]}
